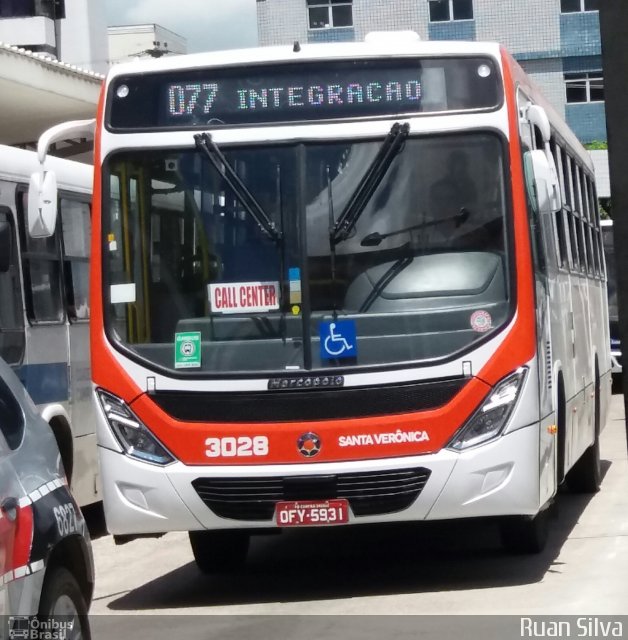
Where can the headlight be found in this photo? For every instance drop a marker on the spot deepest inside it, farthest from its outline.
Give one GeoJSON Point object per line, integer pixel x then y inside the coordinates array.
{"type": "Point", "coordinates": [136, 440]}
{"type": "Point", "coordinates": [490, 419]}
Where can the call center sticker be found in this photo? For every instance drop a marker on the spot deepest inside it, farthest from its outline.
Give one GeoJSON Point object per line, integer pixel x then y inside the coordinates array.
{"type": "Point", "coordinates": [481, 321]}
{"type": "Point", "coordinates": [243, 297]}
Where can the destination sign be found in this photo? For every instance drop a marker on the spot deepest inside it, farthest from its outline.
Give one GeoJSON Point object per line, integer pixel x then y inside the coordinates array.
{"type": "Point", "coordinates": [323, 90]}
{"type": "Point", "coordinates": [202, 99]}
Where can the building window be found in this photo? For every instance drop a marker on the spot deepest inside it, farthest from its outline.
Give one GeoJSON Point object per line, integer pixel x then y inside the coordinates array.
{"type": "Point", "coordinates": [17, 8]}
{"type": "Point", "coordinates": [584, 87]}
{"type": "Point", "coordinates": [54, 9]}
{"type": "Point", "coordinates": [326, 14]}
{"type": "Point", "coordinates": [59, 9]}
{"type": "Point", "coordinates": [448, 10]}
{"type": "Point", "coordinates": [578, 6]}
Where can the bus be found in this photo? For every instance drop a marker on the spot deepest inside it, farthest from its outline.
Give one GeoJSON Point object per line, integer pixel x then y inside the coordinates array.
{"type": "Point", "coordinates": [342, 284]}
{"type": "Point", "coordinates": [613, 309]}
{"type": "Point", "coordinates": [44, 309]}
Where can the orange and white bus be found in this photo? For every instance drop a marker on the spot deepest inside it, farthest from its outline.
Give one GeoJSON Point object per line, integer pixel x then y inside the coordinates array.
{"type": "Point", "coordinates": [342, 284]}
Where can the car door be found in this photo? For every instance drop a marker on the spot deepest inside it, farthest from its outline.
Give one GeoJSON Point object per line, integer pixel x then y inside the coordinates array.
{"type": "Point", "coordinates": [15, 520]}
{"type": "Point", "coordinates": [10, 494]}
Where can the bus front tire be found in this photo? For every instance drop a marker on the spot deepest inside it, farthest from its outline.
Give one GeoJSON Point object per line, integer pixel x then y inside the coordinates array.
{"type": "Point", "coordinates": [216, 551]}
{"type": "Point", "coordinates": [526, 534]}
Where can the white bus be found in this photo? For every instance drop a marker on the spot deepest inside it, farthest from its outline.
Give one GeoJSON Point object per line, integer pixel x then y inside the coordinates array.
{"type": "Point", "coordinates": [45, 309]}
{"type": "Point", "coordinates": [342, 284]}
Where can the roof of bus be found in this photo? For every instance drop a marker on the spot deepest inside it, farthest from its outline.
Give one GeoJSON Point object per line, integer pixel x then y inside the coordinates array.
{"type": "Point", "coordinates": [387, 46]}
{"type": "Point", "coordinates": [286, 53]}
{"type": "Point", "coordinates": [17, 165]}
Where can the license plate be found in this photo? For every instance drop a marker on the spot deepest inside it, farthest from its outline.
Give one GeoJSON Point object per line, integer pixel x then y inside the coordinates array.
{"type": "Point", "coordinates": [312, 513]}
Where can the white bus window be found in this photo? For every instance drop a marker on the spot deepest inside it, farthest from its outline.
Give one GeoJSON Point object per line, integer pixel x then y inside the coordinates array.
{"type": "Point", "coordinates": [76, 225]}
{"type": "Point", "coordinates": [11, 316]}
{"type": "Point", "coordinates": [42, 273]}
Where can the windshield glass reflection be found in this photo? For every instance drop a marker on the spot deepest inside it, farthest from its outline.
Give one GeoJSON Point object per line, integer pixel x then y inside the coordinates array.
{"type": "Point", "coordinates": [421, 272]}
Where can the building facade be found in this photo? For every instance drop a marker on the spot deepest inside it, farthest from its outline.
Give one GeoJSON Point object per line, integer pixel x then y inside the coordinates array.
{"type": "Point", "coordinates": [73, 31]}
{"type": "Point", "coordinates": [130, 42]}
{"type": "Point", "coordinates": [556, 41]}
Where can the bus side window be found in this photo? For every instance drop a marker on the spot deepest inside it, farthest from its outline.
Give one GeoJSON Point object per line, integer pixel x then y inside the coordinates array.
{"type": "Point", "coordinates": [566, 172]}
{"type": "Point", "coordinates": [534, 216]}
{"type": "Point", "coordinates": [571, 224]}
{"type": "Point", "coordinates": [579, 214]}
{"type": "Point", "coordinates": [573, 236]}
{"type": "Point", "coordinates": [42, 271]}
{"type": "Point", "coordinates": [586, 217]}
{"type": "Point", "coordinates": [559, 232]}
{"type": "Point", "coordinates": [11, 309]}
{"type": "Point", "coordinates": [76, 227]}
{"type": "Point", "coordinates": [594, 216]}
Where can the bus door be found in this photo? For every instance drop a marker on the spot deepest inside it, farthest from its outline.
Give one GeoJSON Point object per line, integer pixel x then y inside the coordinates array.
{"type": "Point", "coordinates": [76, 231]}
{"type": "Point", "coordinates": [44, 371]}
{"type": "Point", "coordinates": [10, 493]}
{"type": "Point", "coordinates": [578, 413]}
{"type": "Point", "coordinates": [543, 200]}
{"type": "Point", "coordinates": [543, 251]}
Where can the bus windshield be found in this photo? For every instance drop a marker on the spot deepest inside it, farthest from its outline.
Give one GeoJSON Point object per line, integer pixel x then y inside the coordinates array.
{"type": "Point", "coordinates": [196, 283]}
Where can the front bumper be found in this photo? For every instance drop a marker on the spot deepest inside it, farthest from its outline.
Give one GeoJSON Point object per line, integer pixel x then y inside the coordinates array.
{"type": "Point", "coordinates": [499, 478]}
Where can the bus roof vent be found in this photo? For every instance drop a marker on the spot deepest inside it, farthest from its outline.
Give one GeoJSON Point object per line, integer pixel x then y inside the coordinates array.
{"type": "Point", "coordinates": [389, 37]}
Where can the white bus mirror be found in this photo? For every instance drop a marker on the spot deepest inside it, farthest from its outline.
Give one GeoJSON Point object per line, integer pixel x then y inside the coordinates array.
{"type": "Point", "coordinates": [553, 186]}
{"type": "Point", "coordinates": [538, 118]}
{"type": "Point", "coordinates": [545, 181]}
{"type": "Point", "coordinates": [42, 204]}
{"type": "Point", "coordinates": [5, 246]}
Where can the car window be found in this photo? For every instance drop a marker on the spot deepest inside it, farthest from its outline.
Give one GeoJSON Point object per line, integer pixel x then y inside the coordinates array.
{"type": "Point", "coordinates": [11, 417]}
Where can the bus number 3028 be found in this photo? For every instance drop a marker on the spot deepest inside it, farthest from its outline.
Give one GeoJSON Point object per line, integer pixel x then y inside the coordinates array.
{"type": "Point", "coordinates": [241, 447]}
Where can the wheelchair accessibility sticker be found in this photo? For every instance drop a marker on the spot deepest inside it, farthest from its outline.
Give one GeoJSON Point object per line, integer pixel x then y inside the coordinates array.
{"type": "Point", "coordinates": [338, 339]}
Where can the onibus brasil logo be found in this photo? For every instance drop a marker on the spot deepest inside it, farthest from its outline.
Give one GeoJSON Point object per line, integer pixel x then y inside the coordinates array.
{"type": "Point", "coordinates": [35, 628]}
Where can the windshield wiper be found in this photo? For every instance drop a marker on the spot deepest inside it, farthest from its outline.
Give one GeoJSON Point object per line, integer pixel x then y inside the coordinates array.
{"type": "Point", "coordinates": [332, 244]}
{"type": "Point", "coordinates": [392, 145]}
{"type": "Point", "coordinates": [375, 238]}
{"type": "Point", "coordinates": [205, 143]}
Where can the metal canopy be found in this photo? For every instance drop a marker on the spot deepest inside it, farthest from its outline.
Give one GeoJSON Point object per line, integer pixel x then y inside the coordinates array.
{"type": "Point", "coordinates": [37, 92]}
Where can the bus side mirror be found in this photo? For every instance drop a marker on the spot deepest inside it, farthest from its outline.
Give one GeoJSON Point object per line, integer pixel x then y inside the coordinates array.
{"type": "Point", "coordinates": [5, 246]}
{"type": "Point", "coordinates": [42, 204]}
{"type": "Point", "coordinates": [545, 182]}
{"type": "Point", "coordinates": [538, 118]}
{"type": "Point", "coordinates": [553, 185]}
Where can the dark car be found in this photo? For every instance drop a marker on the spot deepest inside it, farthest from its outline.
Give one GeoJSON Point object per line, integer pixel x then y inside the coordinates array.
{"type": "Point", "coordinates": [46, 563]}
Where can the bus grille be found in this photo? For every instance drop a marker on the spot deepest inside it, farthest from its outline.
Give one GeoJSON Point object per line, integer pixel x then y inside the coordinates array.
{"type": "Point", "coordinates": [293, 405]}
{"type": "Point", "coordinates": [369, 494]}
